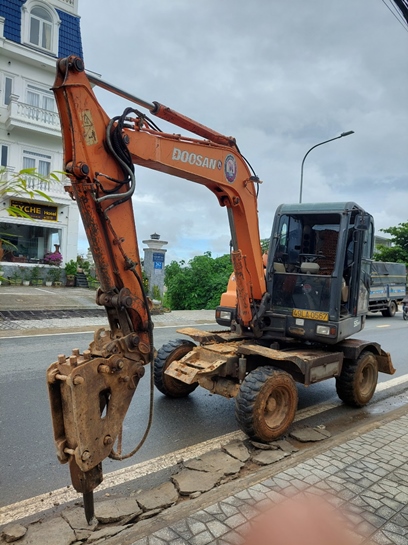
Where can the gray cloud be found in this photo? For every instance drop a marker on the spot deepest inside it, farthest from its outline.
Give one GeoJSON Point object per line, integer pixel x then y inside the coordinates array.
{"type": "Point", "coordinates": [280, 77]}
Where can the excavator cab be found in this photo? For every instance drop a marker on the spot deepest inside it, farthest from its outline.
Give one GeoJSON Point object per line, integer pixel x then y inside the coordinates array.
{"type": "Point", "coordinates": [318, 271]}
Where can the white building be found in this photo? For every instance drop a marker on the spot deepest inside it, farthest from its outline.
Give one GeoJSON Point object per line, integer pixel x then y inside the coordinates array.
{"type": "Point", "coordinates": [33, 34]}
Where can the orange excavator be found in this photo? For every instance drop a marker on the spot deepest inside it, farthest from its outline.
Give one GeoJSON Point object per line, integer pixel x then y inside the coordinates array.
{"type": "Point", "coordinates": [287, 321]}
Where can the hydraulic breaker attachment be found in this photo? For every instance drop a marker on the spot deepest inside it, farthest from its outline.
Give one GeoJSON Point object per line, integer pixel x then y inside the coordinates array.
{"type": "Point", "coordinates": [89, 397]}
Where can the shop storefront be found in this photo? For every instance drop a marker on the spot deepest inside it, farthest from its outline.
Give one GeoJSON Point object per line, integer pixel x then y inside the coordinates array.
{"type": "Point", "coordinates": [30, 242]}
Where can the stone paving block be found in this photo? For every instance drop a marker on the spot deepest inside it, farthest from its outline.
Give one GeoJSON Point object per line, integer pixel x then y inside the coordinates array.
{"type": "Point", "coordinates": [110, 531]}
{"type": "Point", "coordinates": [267, 457]}
{"type": "Point", "coordinates": [217, 461]}
{"type": "Point", "coordinates": [233, 538]}
{"type": "Point", "coordinates": [52, 532]}
{"type": "Point", "coordinates": [145, 515]}
{"type": "Point", "coordinates": [195, 526]}
{"type": "Point", "coordinates": [250, 511]}
{"type": "Point", "coordinates": [228, 510]}
{"type": "Point", "coordinates": [217, 528]}
{"type": "Point", "coordinates": [189, 481]}
{"type": "Point", "coordinates": [235, 521]}
{"type": "Point", "coordinates": [237, 450]}
{"type": "Point", "coordinates": [286, 446]}
{"type": "Point", "coordinates": [373, 519]}
{"type": "Point", "coordinates": [202, 516]}
{"type": "Point", "coordinates": [109, 511]}
{"type": "Point", "coordinates": [380, 539]}
{"type": "Point", "coordinates": [256, 495]}
{"type": "Point", "coordinates": [159, 497]}
{"type": "Point", "coordinates": [13, 532]}
{"type": "Point", "coordinates": [201, 539]}
{"type": "Point", "coordinates": [76, 519]}
{"type": "Point", "coordinates": [181, 528]}
{"type": "Point", "coordinates": [306, 435]}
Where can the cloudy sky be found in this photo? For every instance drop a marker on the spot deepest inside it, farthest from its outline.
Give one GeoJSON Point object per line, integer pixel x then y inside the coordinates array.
{"type": "Point", "coordinates": [280, 77]}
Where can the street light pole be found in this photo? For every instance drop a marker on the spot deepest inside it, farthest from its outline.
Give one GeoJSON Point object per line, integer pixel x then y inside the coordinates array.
{"type": "Point", "coordinates": [313, 147]}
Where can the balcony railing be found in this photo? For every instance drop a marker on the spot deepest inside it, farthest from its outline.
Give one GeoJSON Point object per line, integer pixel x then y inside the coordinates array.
{"type": "Point", "coordinates": [33, 118]}
{"type": "Point", "coordinates": [50, 187]}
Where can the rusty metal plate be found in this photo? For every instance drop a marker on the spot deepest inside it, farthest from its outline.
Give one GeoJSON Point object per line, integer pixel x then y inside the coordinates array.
{"type": "Point", "coordinates": [201, 336]}
{"type": "Point", "coordinates": [182, 372]}
{"type": "Point", "coordinates": [194, 333]}
{"type": "Point", "coordinates": [301, 358]}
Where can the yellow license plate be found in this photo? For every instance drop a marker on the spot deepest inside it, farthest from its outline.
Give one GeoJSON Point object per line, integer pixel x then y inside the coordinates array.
{"type": "Point", "coordinates": [310, 315]}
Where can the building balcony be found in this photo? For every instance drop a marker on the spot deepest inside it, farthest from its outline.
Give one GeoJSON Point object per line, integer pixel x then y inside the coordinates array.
{"type": "Point", "coordinates": [51, 187]}
{"type": "Point", "coordinates": [24, 116]}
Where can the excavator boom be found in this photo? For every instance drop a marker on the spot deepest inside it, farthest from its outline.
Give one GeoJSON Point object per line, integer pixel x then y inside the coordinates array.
{"type": "Point", "coordinates": [91, 392]}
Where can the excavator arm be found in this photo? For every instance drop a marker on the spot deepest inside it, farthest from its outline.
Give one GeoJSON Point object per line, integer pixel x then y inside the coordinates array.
{"type": "Point", "coordinates": [90, 392]}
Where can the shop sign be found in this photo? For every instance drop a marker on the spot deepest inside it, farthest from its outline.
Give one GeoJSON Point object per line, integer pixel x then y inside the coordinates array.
{"type": "Point", "coordinates": [37, 211]}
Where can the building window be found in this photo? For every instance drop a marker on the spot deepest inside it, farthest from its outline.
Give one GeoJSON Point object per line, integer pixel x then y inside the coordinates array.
{"type": "Point", "coordinates": [42, 101]}
{"type": "Point", "coordinates": [40, 25]}
{"type": "Point", "coordinates": [8, 89]}
{"type": "Point", "coordinates": [4, 155]}
{"type": "Point", "coordinates": [42, 164]}
{"type": "Point", "coordinates": [40, 28]}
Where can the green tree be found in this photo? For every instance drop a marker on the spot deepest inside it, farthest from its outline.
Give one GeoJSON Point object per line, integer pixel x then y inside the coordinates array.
{"type": "Point", "coordinates": [398, 252]}
{"type": "Point", "coordinates": [197, 284]}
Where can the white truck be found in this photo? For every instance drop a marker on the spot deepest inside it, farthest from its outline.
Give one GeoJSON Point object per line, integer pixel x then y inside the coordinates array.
{"type": "Point", "coordinates": [388, 287]}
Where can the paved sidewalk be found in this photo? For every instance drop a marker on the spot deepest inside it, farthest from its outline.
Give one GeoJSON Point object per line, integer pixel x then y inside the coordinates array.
{"type": "Point", "coordinates": [367, 477]}
{"type": "Point", "coordinates": [47, 302]}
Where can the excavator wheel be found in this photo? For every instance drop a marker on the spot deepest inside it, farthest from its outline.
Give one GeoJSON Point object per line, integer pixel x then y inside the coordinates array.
{"type": "Point", "coordinates": [358, 380]}
{"type": "Point", "coordinates": [169, 386]}
{"type": "Point", "coordinates": [266, 403]}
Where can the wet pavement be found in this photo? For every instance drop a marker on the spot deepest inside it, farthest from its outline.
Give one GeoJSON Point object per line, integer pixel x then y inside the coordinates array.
{"type": "Point", "coordinates": [363, 471]}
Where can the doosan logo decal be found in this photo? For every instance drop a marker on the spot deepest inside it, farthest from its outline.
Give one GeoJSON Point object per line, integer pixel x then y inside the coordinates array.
{"type": "Point", "coordinates": [230, 168]}
{"type": "Point", "coordinates": [195, 159]}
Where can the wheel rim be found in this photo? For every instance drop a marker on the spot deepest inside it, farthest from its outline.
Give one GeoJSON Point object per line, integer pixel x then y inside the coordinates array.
{"type": "Point", "coordinates": [367, 379]}
{"type": "Point", "coordinates": [276, 407]}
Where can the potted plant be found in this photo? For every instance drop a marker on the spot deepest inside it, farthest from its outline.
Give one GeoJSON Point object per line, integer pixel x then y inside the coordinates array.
{"type": "Point", "coordinates": [49, 278]}
{"type": "Point", "coordinates": [56, 276]}
{"type": "Point", "coordinates": [70, 271]}
{"type": "Point", "coordinates": [26, 276]}
{"type": "Point", "coordinates": [53, 258]}
{"type": "Point", "coordinates": [93, 282]}
{"type": "Point", "coordinates": [35, 276]}
{"type": "Point", "coordinates": [15, 279]}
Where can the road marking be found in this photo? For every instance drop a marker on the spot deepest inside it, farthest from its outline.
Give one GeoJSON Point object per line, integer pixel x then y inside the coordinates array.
{"type": "Point", "coordinates": [92, 330]}
{"type": "Point", "coordinates": [37, 504]}
{"type": "Point", "coordinates": [383, 325]}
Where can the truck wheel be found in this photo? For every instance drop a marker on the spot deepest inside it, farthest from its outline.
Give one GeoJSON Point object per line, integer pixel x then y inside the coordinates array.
{"type": "Point", "coordinates": [266, 403]}
{"type": "Point", "coordinates": [169, 386]}
{"type": "Point", "coordinates": [358, 380]}
{"type": "Point", "coordinates": [390, 311]}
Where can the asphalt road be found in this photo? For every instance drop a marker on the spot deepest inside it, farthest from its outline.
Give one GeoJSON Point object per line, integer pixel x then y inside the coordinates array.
{"type": "Point", "coordinates": [28, 465]}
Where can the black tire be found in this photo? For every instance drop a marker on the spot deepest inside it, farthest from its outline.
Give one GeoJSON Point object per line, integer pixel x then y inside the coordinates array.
{"type": "Point", "coordinates": [390, 311]}
{"type": "Point", "coordinates": [169, 386]}
{"type": "Point", "coordinates": [266, 403]}
{"type": "Point", "coordinates": [358, 380]}
{"type": "Point", "coordinates": [404, 315]}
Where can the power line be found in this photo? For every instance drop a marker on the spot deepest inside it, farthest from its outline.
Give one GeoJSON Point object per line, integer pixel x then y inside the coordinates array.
{"type": "Point", "coordinates": [399, 11]}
